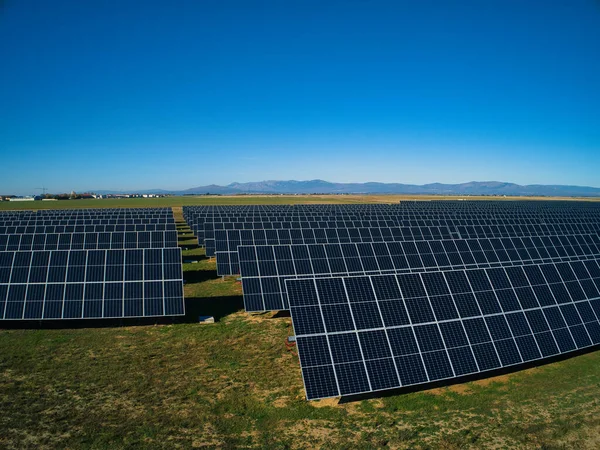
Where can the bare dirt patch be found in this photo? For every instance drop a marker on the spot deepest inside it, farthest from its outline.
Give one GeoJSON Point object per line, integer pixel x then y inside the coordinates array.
{"type": "Point", "coordinates": [326, 402]}
{"type": "Point", "coordinates": [281, 402]}
{"type": "Point", "coordinates": [462, 389]}
{"type": "Point", "coordinates": [255, 317]}
{"type": "Point", "coordinates": [313, 434]}
{"type": "Point", "coordinates": [500, 379]}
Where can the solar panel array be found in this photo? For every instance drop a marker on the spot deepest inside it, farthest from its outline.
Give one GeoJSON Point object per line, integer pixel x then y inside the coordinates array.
{"type": "Point", "coordinates": [432, 290]}
{"type": "Point", "coordinates": [266, 268]}
{"type": "Point", "coordinates": [89, 263]}
{"type": "Point", "coordinates": [364, 334]}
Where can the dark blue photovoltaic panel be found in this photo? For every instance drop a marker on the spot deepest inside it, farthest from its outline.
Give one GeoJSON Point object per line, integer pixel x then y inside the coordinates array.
{"type": "Point", "coordinates": [76, 284]}
{"type": "Point", "coordinates": [87, 240]}
{"type": "Point", "coordinates": [65, 264]}
{"type": "Point", "coordinates": [368, 333]}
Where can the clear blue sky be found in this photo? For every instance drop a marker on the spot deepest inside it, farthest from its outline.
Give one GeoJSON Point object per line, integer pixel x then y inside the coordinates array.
{"type": "Point", "coordinates": [170, 94]}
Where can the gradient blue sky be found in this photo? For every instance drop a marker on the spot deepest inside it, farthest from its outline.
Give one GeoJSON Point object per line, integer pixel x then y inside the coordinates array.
{"type": "Point", "coordinates": [157, 94]}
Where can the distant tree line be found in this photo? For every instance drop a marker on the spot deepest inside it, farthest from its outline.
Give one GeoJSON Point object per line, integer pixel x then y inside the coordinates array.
{"type": "Point", "coordinates": [72, 196]}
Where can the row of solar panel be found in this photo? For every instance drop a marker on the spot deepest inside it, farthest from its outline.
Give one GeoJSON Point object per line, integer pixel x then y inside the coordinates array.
{"type": "Point", "coordinates": [83, 216]}
{"type": "Point", "coordinates": [264, 269]}
{"type": "Point", "coordinates": [396, 217]}
{"type": "Point", "coordinates": [91, 241]}
{"type": "Point", "coordinates": [211, 229]}
{"type": "Point", "coordinates": [61, 215]}
{"type": "Point", "coordinates": [413, 204]}
{"type": "Point", "coordinates": [206, 228]}
{"type": "Point", "coordinates": [87, 213]}
{"type": "Point", "coordinates": [580, 207]}
{"type": "Point", "coordinates": [78, 266]}
{"type": "Point", "coordinates": [91, 284]}
{"type": "Point", "coordinates": [398, 210]}
{"type": "Point", "coordinates": [205, 224]}
{"type": "Point", "coordinates": [402, 213]}
{"type": "Point", "coordinates": [417, 221]}
{"type": "Point", "coordinates": [412, 233]}
{"type": "Point", "coordinates": [513, 204]}
{"type": "Point", "coordinates": [243, 223]}
{"type": "Point", "coordinates": [91, 300]}
{"type": "Point", "coordinates": [364, 334]}
{"type": "Point", "coordinates": [92, 212]}
{"type": "Point", "coordinates": [392, 214]}
{"type": "Point", "coordinates": [227, 242]}
{"type": "Point", "coordinates": [234, 223]}
{"type": "Point", "coordinates": [42, 222]}
{"type": "Point", "coordinates": [361, 216]}
{"type": "Point", "coordinates": [49, 229]}
{"type": "Point", "coordinates": [206, 236]}
{"type": "Point", "coordinates": [134, 269]}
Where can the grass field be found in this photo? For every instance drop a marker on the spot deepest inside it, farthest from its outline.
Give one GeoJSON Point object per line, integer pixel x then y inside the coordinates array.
{"type": "Point", "coordinates": [236, 384]}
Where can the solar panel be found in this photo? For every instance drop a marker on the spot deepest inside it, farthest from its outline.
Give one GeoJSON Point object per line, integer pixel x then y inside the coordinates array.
{"type": "Point", "coordinates": [91, 284]}
{"type": "Point", "coordinates": [89, 220]}
{"type": "Point", "coordinates": [264, 269]}
{"type": "Point", "coordinates": [228, 241]}
{"type": "Point", "coordinates": [89, 241]}
{"type": "Point", "coordinates": [67, 229]}
{"type": "Point", "coordinates": [210, 228]}
{"type": "Point", "coordinates": [86, 221]}
{"type": "Point", "coordinates": [365, 334]}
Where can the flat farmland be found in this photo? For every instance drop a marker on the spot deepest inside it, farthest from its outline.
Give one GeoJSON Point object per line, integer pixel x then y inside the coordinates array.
{"type": "Point", "coordinates": [237, 384]}
{"type": "Point", "coordinates": [252, 200]}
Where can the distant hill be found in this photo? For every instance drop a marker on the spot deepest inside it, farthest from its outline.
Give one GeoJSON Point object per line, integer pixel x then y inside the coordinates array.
{"type": "Point", "coordinates": [326, 187]}
{"type": "Point", "coordinates": [132, 191]}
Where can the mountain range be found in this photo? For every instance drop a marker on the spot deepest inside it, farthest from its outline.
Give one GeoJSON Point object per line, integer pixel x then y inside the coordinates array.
{"type": "Point", "coordinates": [326, 187]}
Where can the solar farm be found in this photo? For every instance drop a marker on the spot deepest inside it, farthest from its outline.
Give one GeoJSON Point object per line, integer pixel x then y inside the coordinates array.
{"type": "Point", "coordinates": [454, 324]}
